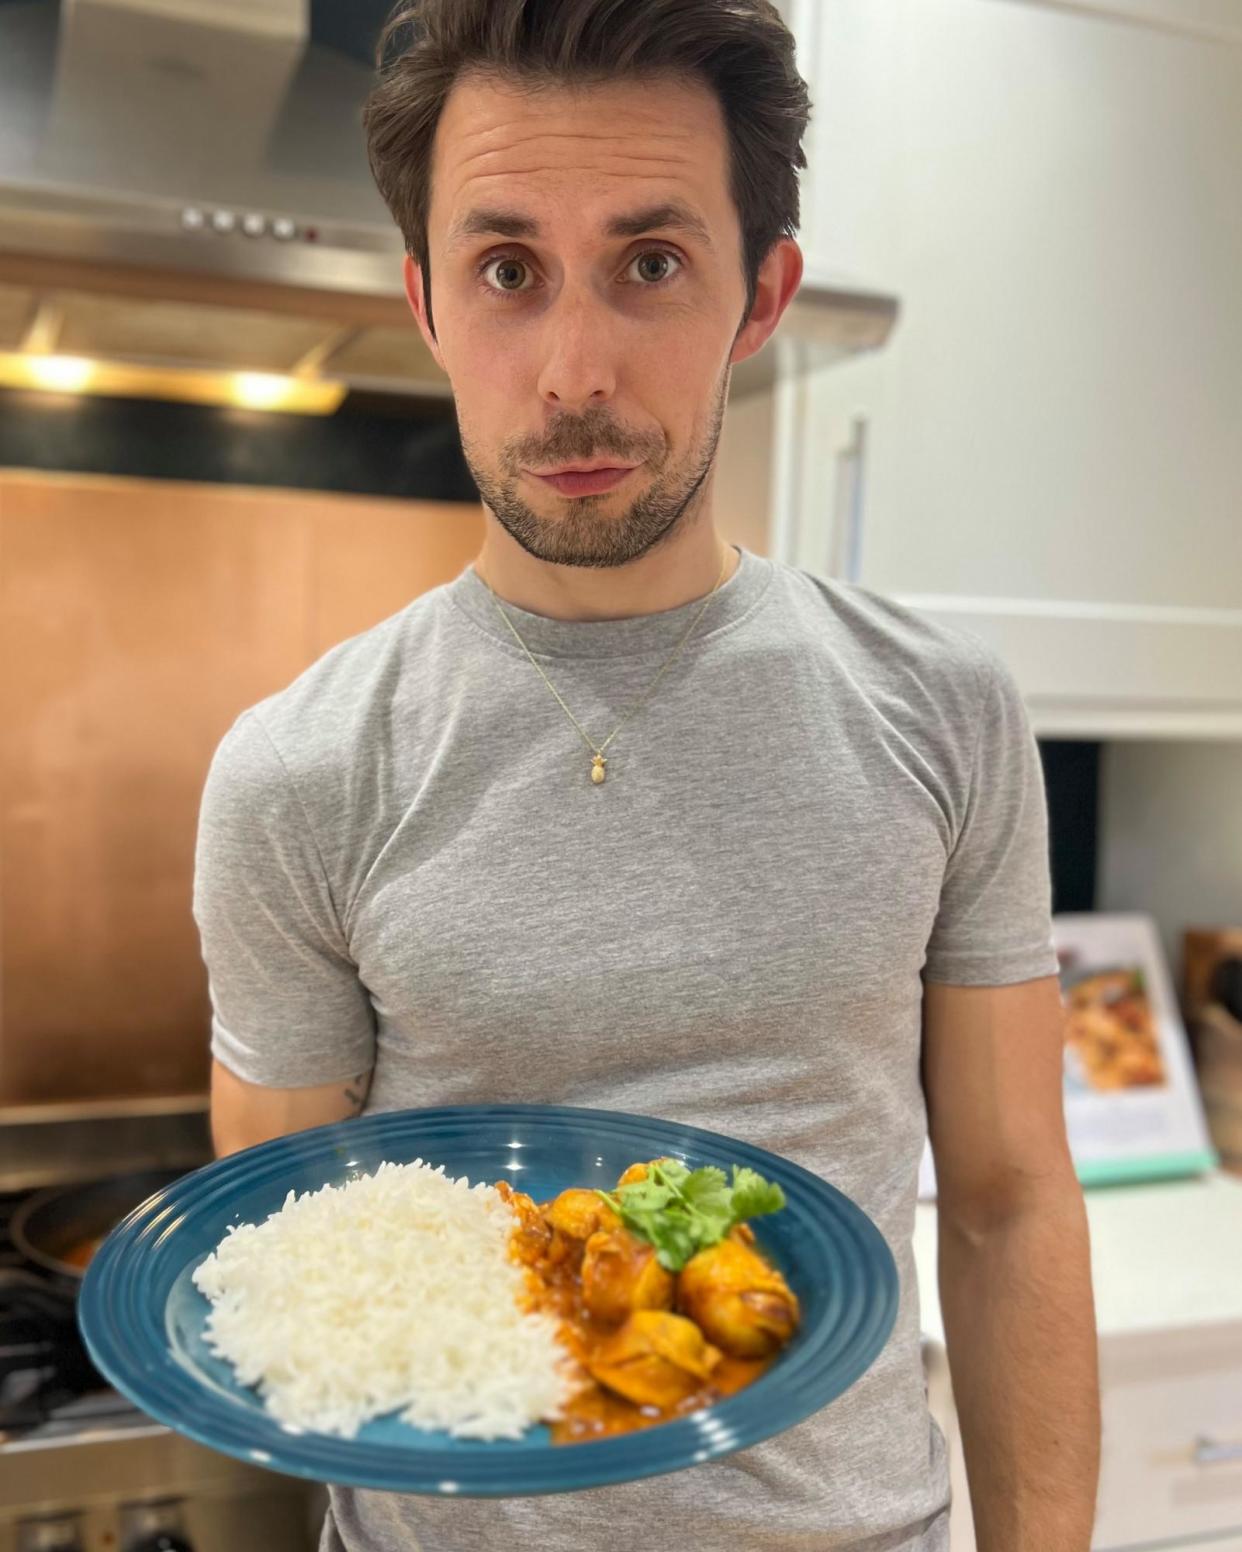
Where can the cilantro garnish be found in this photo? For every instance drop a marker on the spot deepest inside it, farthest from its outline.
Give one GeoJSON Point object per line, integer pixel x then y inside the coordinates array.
{"type": "Point", "coordinates": [682, 1211]}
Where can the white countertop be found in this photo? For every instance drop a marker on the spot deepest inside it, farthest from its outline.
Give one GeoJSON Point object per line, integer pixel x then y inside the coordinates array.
{"type": "Point", "coordinates": [1166, 1254]}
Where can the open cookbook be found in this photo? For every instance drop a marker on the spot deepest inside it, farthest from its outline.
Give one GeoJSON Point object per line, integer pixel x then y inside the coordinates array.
{"type": "Point", "coordinates": [1132, 1106]}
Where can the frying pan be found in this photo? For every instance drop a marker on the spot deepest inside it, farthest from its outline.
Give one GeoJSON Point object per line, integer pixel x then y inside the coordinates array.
{"type": "Point", "coordinates": [49, 1225]}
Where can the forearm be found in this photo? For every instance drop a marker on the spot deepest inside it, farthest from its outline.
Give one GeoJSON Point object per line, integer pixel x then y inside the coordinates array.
{"type": "Point", "coordinates": [243, 1114]}
{"type": "Point", "coordinates": [1020, 1330]}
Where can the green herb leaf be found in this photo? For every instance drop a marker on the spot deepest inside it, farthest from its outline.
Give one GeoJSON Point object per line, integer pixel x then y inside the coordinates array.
{"type": "Point", "coordinates": [682, 1211]}
{"type": "Point", "coordinates": [673, 1170]}
{"type": "Point", "coordinates": [647, 1196]}
{"type": "Point", "coordinates": [708, 1189]}
{"type": "Point", "coordinates": [753, 1196]}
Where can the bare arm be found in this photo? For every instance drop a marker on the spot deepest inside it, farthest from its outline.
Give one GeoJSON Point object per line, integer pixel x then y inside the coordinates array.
{"type": "Point", "coordinates": [243, 1114]}
{"type": "Point", "coordinates": [1014, 1264]}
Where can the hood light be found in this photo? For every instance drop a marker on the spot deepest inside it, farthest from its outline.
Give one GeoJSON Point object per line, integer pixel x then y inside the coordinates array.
{"type": "Point", "coordinates": [249, 390]}
{"type": "Point", "coordinates": [61, 374]}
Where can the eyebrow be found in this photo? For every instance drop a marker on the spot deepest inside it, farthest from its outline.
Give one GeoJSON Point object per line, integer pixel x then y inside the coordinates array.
{"type": "Point", "coordinates": [669, 216]}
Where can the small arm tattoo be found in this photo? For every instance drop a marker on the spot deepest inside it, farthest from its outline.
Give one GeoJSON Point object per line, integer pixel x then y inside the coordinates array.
{"type": "Point", "coordinates": [357, 1091]}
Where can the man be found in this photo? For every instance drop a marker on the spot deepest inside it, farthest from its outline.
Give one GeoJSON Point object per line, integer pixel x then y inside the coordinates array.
{"type": "Point", "coordinates": [625, 817]}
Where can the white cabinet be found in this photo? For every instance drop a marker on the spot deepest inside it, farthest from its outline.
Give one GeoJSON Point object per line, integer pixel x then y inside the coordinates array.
{"type": "Point", "coordinates": [1213, 18]}
{"type": "Point", "coordinates": [1048, 449]}
{"type": "Point", "coordinates": [1171, 1441]}
{"type": "Point", "coordinates": [1171, 1453]}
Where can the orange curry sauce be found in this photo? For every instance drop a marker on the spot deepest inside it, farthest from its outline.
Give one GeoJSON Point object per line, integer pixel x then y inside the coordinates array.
{"type": "Point", "coordinates": [80, 1255]}
{"type": "Point", "coordinates": [554, 1284]}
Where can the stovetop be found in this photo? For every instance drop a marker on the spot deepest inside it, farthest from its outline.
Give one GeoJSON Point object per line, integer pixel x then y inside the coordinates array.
{"type": "Point", "coordinates": [49, 1389]}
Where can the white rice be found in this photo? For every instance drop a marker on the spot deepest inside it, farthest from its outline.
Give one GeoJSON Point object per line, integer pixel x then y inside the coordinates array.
{"type": "Point", "coordinates": [392, 1291]}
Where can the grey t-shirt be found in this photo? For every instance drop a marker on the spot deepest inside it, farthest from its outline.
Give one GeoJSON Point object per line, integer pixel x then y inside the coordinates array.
{"type": "Point", "coordinates": [403, 862]}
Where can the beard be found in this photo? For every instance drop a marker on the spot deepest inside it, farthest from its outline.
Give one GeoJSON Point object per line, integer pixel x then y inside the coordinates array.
{"type": "Point", "coordinates": [585, 532]}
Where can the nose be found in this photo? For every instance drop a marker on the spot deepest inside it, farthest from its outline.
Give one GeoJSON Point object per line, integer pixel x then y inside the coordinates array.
{"type": "Point", "coordinates": [577, 369]}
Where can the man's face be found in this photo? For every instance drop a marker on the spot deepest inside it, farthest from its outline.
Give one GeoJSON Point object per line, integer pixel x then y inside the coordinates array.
{"type": "Point", "coordinates": [568, 343]}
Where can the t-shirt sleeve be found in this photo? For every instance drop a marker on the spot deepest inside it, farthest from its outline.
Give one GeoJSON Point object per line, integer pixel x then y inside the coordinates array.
{"type": "Point", "coordinates": [289, 1009]}
{"type": "Point", "coordinates": [993, 926]}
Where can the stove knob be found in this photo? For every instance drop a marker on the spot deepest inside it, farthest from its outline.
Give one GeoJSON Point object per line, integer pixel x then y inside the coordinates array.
{"type": "Point", "coordinates": [62, 1533]}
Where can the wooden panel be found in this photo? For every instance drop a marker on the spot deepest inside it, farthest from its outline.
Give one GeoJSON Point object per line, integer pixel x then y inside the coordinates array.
{"type": "Point", "coordinates": [137, 618]}
{"type": "Point", "coordinates": [367, 565]}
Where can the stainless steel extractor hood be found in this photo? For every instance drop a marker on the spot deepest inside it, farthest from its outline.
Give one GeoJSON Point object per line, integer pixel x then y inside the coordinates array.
{"type": "Point", "coordinates": [184, 183]}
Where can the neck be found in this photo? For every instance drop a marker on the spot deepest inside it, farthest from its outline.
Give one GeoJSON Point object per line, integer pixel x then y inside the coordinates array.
{"type": "Point", "coordinates": [673, 574]}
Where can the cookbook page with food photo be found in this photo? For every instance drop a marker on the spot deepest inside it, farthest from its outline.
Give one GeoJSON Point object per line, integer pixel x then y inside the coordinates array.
{"type": "Point", "coordinates": [1132, 1105]}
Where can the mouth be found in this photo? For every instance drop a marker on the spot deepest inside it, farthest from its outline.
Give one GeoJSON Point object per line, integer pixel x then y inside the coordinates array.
{"type": "Point", "coordinates": [584, 482]}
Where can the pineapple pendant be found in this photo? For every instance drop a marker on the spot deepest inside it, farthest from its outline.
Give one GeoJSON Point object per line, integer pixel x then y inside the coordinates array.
{"type": "Point", "coordinates": [597, 768]}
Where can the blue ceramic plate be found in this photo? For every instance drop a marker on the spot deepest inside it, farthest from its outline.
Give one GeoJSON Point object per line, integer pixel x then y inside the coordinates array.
{"type": "Point", "coordinates": [142, 1318]}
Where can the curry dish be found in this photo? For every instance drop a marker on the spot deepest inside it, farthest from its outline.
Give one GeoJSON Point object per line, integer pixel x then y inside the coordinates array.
{"type": "Point", "coordinates": [1111, 1029]}
{"type": "Point", "coordinates": [649, 1345]}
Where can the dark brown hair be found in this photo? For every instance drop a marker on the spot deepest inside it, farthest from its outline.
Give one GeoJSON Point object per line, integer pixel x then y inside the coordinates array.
{"type": "Point", "coordinates": [741, 49]}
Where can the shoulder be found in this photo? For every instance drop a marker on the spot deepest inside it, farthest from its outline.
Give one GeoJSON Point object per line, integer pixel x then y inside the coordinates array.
{"type": "Point", "coordinates": [918, 701]}
{"type": "Point", "coordinates": [892, 649]}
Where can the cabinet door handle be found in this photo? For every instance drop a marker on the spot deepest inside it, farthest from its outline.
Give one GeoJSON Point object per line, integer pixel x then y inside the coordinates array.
{"type": "Point", "coordinates": [1210, 1452]}
{"type": "Point", "coordinates": [845, 560]}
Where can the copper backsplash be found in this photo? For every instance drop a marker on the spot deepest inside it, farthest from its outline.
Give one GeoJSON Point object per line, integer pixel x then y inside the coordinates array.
{"type": "Point", "coordinates": [137, 619]}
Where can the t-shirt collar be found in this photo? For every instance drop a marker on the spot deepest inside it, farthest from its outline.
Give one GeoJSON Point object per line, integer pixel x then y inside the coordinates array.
{"type": "Point", "coordinates": [633, 636]}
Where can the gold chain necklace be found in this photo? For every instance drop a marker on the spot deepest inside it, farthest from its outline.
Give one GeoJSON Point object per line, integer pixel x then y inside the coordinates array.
{"type": "Point", "coordinates": [598, 761]}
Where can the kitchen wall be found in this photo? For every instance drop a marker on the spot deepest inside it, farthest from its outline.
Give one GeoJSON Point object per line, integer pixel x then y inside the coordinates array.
{"type": "Point", "coordinates": [1171, 835]}
{"type": "Point", "coordinates": [137, 619]}
{"type": "Point", "coordinates": [163, 566]}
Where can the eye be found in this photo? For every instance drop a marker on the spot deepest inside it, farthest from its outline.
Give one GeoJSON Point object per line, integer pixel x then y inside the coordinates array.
{"type": "Point", "coordinates": [654, 267]}
{"type": "Point", "coordinates": [506, 273]}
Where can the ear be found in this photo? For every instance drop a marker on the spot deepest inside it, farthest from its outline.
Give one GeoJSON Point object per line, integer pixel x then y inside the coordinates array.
{"type": "Point", "coordinates": [780, 274]}
{"type": "Point", "coordinates": [413, 278]}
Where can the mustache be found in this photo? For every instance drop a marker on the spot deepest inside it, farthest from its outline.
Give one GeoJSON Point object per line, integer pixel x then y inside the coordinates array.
{"type": "Point", "coordinates": [590, 435]}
